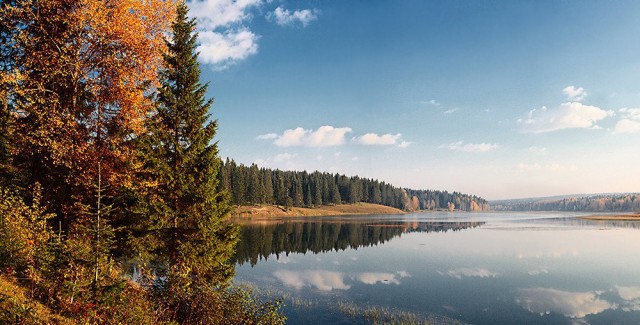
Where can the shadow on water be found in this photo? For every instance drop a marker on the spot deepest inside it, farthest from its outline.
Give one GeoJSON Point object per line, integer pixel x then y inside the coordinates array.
{"type": "Point", "coordinates": [259, 240]}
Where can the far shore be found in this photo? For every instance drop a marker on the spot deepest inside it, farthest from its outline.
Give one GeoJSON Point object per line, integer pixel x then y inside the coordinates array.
{"type": "Point", "coordinates": [268, 210]}
{"type": "Point", "coordinates": [614, 217]}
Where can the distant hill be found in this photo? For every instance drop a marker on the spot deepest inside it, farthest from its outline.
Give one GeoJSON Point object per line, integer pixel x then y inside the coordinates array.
{"type": "Point", "coordinates": [602, 202]}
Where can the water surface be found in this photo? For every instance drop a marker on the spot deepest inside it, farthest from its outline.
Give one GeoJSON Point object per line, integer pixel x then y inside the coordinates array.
{"type": "Point", "coordinates": [476, 268]}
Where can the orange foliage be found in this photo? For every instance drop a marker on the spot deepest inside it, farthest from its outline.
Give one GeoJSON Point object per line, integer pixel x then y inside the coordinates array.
{"type": "Point", "coordinates": [83, 73]}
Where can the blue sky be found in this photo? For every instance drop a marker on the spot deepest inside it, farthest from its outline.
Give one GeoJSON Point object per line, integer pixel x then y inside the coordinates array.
{"type": "Point", "coordinates": [502, 99]}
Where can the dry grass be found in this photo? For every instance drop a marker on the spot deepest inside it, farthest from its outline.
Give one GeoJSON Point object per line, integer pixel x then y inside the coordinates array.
{"type": "Point", "coordinates": [325, 210]}
{"type": "Point", "coordinates": [17, 308]}
{"type": "Point", "coordinates": [616, 217]}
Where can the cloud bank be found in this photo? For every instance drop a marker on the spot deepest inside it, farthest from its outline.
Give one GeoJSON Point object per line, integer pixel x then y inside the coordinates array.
{"type": "Point", "coordinates": [571, 304]}
{"type": "Point", "coordinates": [574, 93]}
{"type": "Point", "coordinates": [224, 38]}
{"type": "Point", "coordinates": [629, 121]}
{"type": "Point", "coordinates": [373, 139]}
{"type": "Point", "coordinates": [330, 136]}
{"type": "Point", "coordinates": [570, 115]}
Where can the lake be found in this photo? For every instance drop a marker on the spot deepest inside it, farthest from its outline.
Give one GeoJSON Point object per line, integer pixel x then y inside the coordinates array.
{"type": "Point", "coordinates": [445, 268]}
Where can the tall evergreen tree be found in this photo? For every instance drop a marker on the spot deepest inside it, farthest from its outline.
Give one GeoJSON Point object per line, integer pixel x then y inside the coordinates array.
{"type": "Point", "coordinates": [195, 237]}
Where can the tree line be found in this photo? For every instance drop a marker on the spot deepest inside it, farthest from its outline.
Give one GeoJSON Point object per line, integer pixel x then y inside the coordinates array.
{"type": "Point", "coordinates": [256, 185]}
{"type": "Point", "coordinates": [594, 203]}
{"type": "Point", "coordinates": [106, 155]}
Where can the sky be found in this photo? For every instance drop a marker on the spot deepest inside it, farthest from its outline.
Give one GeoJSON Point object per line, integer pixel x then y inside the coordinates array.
{"type": "Point", "coordinates": [501, 99]}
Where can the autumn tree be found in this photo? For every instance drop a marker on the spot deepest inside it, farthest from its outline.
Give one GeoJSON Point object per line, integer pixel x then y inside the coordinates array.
{"type": "Point", "coordinates": [74, 82]}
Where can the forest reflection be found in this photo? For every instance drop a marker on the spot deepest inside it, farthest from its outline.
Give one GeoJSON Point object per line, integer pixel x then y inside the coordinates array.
{"type": "Point", "coordinates": [259, 240]}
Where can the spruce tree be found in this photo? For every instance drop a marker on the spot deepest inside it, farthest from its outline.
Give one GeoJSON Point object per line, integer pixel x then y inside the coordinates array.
{"type": "Point", "coordinates": [194, 237]}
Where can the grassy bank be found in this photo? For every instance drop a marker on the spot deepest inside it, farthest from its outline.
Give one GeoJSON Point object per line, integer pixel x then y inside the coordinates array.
{"type": "Point", "coordinates": [17, 308]}
{"type": "Point", "coordinates": [324, 210]}
{"type": "Point", "coordinates": [615, 217]}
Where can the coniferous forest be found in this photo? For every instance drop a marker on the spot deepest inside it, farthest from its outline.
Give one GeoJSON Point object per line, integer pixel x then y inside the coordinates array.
{"type": "Point", "coordinates": [254, 185]}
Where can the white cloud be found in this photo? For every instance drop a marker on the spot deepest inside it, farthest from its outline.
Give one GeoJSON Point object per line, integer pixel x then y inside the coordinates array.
{"type": "Point", "coordinates": [322, 280]}
{"type": "Point", "coordinates": [432, 102]}
{"type": "Point", "coordinates": [284, 17]}
{"type": "Point", "coordinates": [373, 139]}
{"type": "Point", "coordinates": [629, 122]}
{"type": "Point", "coordinates": [451, 110]}
{"type": "Point", "coordinates": [226, 48]}
{"type": "Point", "coordinates": [268, 136]}
{"type": "Point", "coordinates": [571, 304]}
{"type": "Point", "coordinates": [627, 126]}
{"type": "Point", "coordinates": [404, 144]}
{"type": "Point", "coordinates": [571, 115]}
{"type": "Point", "coordinates": [223, 39]}
{"type": "Point", "coordinates": [574, 94]}
{"type": "Point", "coordinates": [213, 14]}
{"type": "Point", "coordinates": [324, 136]}
{"type": "Point", "coordinates": [538, 150]}
{"type": "Point", "coordinates": [469, 272]}
{"type": "Point", "coordinates": [460, 146]}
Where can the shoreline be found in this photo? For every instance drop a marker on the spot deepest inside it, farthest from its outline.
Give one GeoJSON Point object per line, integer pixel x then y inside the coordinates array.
{"type": "Point", "coordinates": [614, 217]}
{"type": "Point", "coordinates": [268, 210]}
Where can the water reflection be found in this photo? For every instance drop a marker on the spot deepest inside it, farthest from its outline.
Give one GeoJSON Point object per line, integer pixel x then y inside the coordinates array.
{"type": "Point", "coordinates": [544, 301]}
{"type": "Point", "coordinates": [260, 240]}
{"type": "Point", "coordinates": [469, 273]}
{"type": "Point", "coordinates": [571, 304]}
{"type": "Point", "coordinates": [515, 269]}
{"type": "Point", "coordinates": [324, 280]}
{"type": "Point", "coordinates": [630, 298]}
{"type": "Point", "coordinates": [320, 279]}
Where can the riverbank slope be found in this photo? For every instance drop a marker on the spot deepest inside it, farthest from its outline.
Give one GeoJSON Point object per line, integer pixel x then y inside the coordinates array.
{"type": "Point", "coordinates": [324, 210]}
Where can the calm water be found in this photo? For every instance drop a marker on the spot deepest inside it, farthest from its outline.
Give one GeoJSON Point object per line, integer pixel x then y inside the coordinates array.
{"type": "Point", "coordinates": [474, 268]}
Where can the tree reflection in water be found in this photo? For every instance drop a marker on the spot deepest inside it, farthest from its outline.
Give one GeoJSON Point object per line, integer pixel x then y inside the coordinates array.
{"type": "Point", "coordinates": [259, 240]}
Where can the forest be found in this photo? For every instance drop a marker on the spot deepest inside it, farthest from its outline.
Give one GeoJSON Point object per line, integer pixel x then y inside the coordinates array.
{"type": "Point", "coordinates": [588, 203]}
{"type": "Point", "coordinates": [106, 157]}
{"type": "Point", "coordinates": [255, 185]}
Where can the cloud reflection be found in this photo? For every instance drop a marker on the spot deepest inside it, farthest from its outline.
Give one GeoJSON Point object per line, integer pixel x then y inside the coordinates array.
{"type": "Point", "coordinates": [330, 280]}
{"type": "Point", "coordinates": [630, 298]}
{"type": "Point", "coordinates": [382, 277]}
{"type": "Point", "coordinates": [571, 304]}
{"type": "Point", "coordinates": [322, 280]}
{"type": "Point", "coordinates": [469, 272]}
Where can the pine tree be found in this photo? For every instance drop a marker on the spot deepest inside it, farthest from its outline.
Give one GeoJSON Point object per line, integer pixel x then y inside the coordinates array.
{"type": "Point", "coordinates": [196, 239]}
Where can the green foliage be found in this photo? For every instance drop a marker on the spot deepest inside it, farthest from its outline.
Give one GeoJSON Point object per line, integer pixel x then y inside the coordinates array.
{"type": "Point", "coordinates": [25, 235]}
{"type": "Point", "coordinates": [594, 203]}
{"type": "Point", "coordinates": [192, 234]}
{"type": "Point", "coordinates": [250, 185]}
